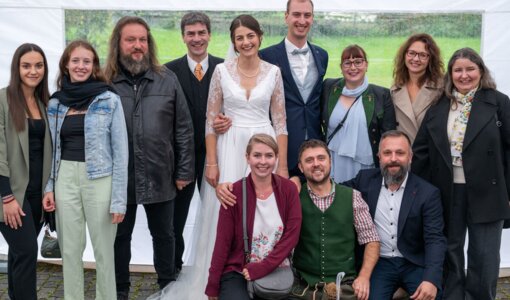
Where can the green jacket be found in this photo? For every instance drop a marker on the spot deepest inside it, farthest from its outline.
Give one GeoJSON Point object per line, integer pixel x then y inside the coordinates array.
{"type": "Point", "coordinates": [377, 103]}
{"type": "Point", "coordinates": [14, 160]}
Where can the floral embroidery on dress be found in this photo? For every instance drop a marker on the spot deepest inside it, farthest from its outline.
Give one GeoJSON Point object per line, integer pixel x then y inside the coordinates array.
{"type": "Point", "coordinates": [262, 245]}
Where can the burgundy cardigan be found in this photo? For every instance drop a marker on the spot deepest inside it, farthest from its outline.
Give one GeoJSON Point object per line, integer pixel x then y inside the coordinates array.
{"type": "Point", "coordinates": [228, 255]}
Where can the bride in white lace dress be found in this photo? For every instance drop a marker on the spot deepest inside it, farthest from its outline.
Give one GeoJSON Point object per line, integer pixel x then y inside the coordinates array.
{"type": "Point", "coordinates": [247, 90]}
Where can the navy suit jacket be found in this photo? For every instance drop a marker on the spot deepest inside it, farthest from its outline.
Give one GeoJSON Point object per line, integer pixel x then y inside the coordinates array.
{"type": "Point", "coordinates": [302, 118]}
{"type": "Point", "coordinates": [420, 222]}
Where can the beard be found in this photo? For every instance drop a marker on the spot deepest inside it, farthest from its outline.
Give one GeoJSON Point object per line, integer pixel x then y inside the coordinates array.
{"type": "Point", "coordinates": [135, 67]}
{"type": "Point", "coordinates": [310, 179]}
{"type": "Point", "coordinates": [397, 177]}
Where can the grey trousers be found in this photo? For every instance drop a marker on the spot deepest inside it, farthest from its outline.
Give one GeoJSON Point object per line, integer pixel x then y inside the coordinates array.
{"type": "Point", "coordinates": [483, 253]}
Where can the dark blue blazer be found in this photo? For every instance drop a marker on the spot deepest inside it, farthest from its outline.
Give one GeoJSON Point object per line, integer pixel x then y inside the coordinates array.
{"type": "Point", "coordinates": [301, 117]}
{"type": "Point", "coordinates": [420, 222]}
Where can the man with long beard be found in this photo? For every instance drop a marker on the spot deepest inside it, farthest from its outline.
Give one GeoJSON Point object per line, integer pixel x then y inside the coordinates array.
{"type": "Point", "coordinates": [335, 219]}
{"type": "Point", "coordinates": [408, 215]}
{"type": "Point", "coordinates": [161, 151]}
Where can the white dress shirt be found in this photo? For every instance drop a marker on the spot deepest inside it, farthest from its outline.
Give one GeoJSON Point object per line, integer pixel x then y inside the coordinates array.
{"type": "Point", "coordinates": [386, 219]}
{"type": "Point", "coordinates": [298, 62]}
{"type": "Point", "coordinates": [193, 64]}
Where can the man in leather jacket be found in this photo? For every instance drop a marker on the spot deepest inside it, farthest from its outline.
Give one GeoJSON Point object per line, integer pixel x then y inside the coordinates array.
{"type": "Point", "coordinates": [161, 147]}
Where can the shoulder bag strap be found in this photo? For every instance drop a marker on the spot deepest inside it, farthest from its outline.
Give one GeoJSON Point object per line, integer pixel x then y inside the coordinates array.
{"type": "Point", "coordinates": [245, 229]}
{"type": "Point", "coordinates": [341, 124]}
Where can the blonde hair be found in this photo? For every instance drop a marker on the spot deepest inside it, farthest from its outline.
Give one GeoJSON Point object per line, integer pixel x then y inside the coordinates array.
{"type": "Point", "coordinates": [262, 138]}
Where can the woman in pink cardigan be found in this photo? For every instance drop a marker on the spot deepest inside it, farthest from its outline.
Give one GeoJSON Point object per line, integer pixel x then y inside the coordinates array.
{"type": "Point", "coordinates": [273, 223]}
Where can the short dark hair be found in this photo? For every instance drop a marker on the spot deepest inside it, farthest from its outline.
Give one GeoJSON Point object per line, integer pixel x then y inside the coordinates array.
{"type": "Point", "coordinates": [395, 134]}
{"type": "Point", "coordinates": [195, 17]}
{"type": "Point", "coordinates": [289, 1]}
{"type": "Point", "coordinates": [313, 143]}
{"type": "Point", "coordinates": [247, 21]}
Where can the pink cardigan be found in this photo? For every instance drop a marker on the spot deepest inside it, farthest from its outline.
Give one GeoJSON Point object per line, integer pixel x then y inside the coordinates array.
{"type": "Point", "coordinates": [228, 255]}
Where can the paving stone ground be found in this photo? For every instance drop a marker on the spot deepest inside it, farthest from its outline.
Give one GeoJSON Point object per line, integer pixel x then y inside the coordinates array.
{"type": "Point", "coordinates": [50, 284]}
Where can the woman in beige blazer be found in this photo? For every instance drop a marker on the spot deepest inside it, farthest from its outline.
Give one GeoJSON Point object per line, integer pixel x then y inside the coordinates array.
{"type": "Point", "coordinates": [25, 159]}
{"type": "Point", "coordinates": [418, 81]}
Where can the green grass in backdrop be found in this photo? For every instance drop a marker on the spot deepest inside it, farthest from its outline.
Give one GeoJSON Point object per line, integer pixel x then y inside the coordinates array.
{"type": "Point", "coordinates": [381, 51]}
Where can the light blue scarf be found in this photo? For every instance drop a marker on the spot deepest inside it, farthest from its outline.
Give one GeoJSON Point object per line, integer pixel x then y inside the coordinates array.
{"type": "Point", "coordinates": [357, 91]}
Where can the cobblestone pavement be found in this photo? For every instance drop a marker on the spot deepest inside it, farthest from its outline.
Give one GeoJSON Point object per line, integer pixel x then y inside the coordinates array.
{"type": "Point", "coordinates": [50, 284]}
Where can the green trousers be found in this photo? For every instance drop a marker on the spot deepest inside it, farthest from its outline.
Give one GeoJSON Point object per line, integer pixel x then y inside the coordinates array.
{"type": "Point", "coordinates": [82, 203]}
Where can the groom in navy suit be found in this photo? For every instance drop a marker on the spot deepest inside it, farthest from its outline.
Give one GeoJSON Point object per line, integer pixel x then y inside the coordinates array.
{"type": "Point", "coordinates": [194, 71]}
{"type": "Point", "coordinates": [303, 66]}
{"type": "Point", "coordinates": [408, 215]}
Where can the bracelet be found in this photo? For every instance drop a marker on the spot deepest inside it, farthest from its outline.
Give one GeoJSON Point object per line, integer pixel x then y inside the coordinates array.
{"type": "Point", "coordinates": [211, 165]}
{"type": "Point", "coordinates": [8, 197]}
{"type": "Point", "coordinates": [8, 201]}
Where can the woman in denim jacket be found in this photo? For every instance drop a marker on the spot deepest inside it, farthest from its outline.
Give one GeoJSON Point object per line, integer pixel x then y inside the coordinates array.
{"type": "Point", "coordinates": [89, 174]}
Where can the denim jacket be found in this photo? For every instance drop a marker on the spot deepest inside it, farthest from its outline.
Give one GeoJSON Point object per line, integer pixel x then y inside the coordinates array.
{"type": "Point", "coordinates": [106, 144]}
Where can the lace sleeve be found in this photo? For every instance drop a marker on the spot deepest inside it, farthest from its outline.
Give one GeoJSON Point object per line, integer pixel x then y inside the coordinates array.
{"type": "Point", "coordinates": [214, 101]}
{"type": "Point", "coordinates": [278, 114]}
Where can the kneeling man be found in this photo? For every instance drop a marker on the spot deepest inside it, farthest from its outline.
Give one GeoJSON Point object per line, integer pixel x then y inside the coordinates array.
{"type": "Point", "coordinates": [408, 216]}
{"type": "Point", "coordinates": [335, 219]}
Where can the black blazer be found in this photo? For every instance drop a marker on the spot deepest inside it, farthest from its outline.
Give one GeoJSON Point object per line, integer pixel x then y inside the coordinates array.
{"type": "Point", "coordinates": [379, 110]}
{"type": "Point", "coordinates": [486, 155]}
{"type": "Point", "coordinates": [303, 117]}
{"type": "Point", "coordinates": [197, 105]}
{"type": "Point", "coordinates": [420, 221]}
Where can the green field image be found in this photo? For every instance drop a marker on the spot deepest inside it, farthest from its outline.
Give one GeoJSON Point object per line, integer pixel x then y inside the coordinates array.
{"type": "Point", "coordinates": [379, 34]}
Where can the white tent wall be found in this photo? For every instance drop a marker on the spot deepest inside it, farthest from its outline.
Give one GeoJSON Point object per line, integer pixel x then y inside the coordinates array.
{"type": "Point", "coordinates": [42, 22]}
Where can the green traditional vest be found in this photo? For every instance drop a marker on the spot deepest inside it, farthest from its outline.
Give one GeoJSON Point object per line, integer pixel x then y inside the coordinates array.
{"type": "Point", "coordinates": [327, 240]}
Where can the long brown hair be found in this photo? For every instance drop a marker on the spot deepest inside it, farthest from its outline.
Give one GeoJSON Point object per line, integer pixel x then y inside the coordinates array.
{"type": "Point", "coordinates": [15, 97]}
{"type": "Point", "coordinates": [97, 74]}
{"type": "Point", "coordinates": [112, 61]}
{"type": "Point", "coordinates": [435, 68]}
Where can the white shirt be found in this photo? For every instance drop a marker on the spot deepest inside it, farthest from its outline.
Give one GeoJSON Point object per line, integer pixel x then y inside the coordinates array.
{"type": "Point", "coordinates": [386, 219]}
{"type": "Point", "coordinates": [298, 62]}
{"type": "Point", "coordinates": [267, 229]}
{"type": "Point", "coordinates": [193, 64]}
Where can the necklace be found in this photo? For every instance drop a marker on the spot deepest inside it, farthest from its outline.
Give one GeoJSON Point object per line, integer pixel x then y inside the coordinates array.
{"type": "Point", "coordinates": [265, 194]}
{"type": "Point", "coordinates": [246, 75]}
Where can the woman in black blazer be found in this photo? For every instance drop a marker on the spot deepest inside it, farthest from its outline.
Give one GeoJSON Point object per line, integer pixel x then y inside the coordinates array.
{"type": "Point", "coordinates": [369, 111]}
{"type": "Point", "coordinates": [463, 147]}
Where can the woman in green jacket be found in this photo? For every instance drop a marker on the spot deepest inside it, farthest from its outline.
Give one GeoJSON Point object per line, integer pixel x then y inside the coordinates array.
{"type": "Point", "coordinates": [354, 115]}
{"type": "Point", "coordinates": [25, 158]}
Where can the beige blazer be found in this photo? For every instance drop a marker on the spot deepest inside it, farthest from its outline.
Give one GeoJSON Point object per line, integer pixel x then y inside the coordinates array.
{"type": "Point", "coordinates": [410, 115]}
{"type": "Point", "coordinates": [14, 160]}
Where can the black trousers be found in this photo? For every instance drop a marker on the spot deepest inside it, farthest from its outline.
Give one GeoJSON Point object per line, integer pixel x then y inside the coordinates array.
{"type": "Point", "coordinates": [22, 255]}
{"type": "Point", "coordinates": [159, 220]}
{"type": "Point", "coordinates": [480, 281]}
{"type": "Point", "coordinates": [182, 203]}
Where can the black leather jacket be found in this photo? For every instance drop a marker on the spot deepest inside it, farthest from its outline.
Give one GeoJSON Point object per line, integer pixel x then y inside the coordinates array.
{"type": "Point", "coordinates": [160, 134]}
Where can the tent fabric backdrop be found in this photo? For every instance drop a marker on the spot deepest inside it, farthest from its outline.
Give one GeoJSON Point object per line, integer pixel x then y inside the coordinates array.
{"type": "Point", "coordinates": [42, 22]}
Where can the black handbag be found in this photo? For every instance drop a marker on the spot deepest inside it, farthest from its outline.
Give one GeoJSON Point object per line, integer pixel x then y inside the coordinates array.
{"type": "Point", "coordinates": [275, 285]}
{"type": "Point", "coordinates": [49, 246]}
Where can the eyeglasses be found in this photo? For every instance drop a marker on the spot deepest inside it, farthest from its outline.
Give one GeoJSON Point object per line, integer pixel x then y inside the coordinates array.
{"type": "Point", "coordinates": [358, 62]}
{"type": "Point", "coordinates": [421, 55]}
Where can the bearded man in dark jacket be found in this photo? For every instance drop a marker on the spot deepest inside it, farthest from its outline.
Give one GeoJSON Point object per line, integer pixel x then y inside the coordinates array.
{"type": "Point", "coordinates": [161, 151]}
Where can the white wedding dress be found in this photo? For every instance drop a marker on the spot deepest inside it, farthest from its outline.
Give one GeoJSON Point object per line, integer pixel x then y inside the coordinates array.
{"type": "Point", "coordinates": [250, 115]}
